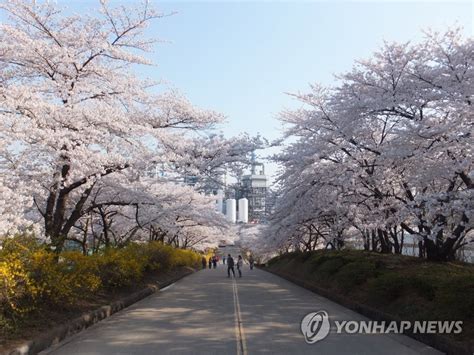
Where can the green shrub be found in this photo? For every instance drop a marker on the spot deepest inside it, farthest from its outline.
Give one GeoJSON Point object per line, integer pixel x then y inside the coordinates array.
{"type": "Point", "coordinates": [391, 286]}
{"type": "Point", "coordinates": [355, 273]}
{"type": "Point", "coordinates": [303, 256]}
{"type": "Point", "coordinates": [319, 257]}
{"type": "Point", "coordinates": [328, 267]}
{"type": "Point", "coordinates": [457, 296]}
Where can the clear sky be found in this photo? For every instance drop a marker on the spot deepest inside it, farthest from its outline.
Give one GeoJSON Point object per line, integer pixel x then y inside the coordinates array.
{"type": "Point", "coordinates": [240, 57]}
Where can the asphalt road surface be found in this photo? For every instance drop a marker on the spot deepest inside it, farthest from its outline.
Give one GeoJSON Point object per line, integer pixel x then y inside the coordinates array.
{"type": "Point", "coordinates": [208, 313]}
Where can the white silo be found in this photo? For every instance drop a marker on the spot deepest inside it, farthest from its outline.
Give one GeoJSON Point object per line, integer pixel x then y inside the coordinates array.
{"type": "Point", "coordinates": [231, 210]}
{"type": "Point", "coordinates": [244, 210]}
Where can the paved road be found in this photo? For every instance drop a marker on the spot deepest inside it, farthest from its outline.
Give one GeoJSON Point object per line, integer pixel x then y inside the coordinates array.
{"type": "Point", "coordinates": [207, 313]}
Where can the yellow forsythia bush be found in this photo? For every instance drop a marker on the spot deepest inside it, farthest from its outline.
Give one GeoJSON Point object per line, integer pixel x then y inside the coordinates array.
{"type": "Point", "coordinates": [15, 285]}
{"type": "Point", "coordinates": [32, 277]}
{"type": "Point", "coordinates": [62, 280]}
{"type": "Point", "coordinates": [79, 273]}
{"type": "Point", "coordinates": [120, 267]}
{"type": "Point", "coordinates": [185, 258]}
{"type": "Point", "coordinates": [159, 256]}
{"type": "Point", "coordinates": [164, 257]}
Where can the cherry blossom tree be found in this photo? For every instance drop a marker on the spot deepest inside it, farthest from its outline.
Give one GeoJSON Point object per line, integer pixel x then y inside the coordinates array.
{"type": "Point", "coordinates": [386, 152]}
{"type": "Point", "coordinates": [78, 128]}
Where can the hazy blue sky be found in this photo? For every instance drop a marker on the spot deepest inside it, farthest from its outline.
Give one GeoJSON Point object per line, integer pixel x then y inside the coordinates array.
{"type": "Point", "coordinates": [241, 57]}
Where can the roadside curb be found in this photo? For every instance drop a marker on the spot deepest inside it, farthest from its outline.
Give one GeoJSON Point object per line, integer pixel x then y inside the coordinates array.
{"type": "Point", "coordinates": [83, 322]}
{"type": "Point", "coordinates": [436, 341]}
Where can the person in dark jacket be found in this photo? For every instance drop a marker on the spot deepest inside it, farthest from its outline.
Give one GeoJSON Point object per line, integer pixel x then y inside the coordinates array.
{"type": "Point", "coordinates": [230, 266]}
{"type": "Point", "coordinates": [214, 261]}
{"type": "Point", "coordinates": [210, 262]}
{"type": "Point", "coordinates": [204, 262]}
{"type": "Point", "coordinates": [251, 262]}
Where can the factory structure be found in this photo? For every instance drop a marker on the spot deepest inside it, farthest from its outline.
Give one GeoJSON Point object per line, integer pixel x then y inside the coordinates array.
{"type": "Point", "coordinates": [245, 201]}
{"type": "Point", "coordinates": [248, 200]}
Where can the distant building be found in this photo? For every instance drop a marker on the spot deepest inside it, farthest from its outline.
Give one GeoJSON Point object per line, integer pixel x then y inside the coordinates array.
{"type": "Point", "coordinates": [190, 180]}
{"type": "Point", "coordinates": [254, 187]}
{"type": "Point", "coordinates": [270, 201]}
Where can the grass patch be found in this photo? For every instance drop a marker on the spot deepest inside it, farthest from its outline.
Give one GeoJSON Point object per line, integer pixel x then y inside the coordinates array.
{"type": "Point", "coordinates": [354, 274]}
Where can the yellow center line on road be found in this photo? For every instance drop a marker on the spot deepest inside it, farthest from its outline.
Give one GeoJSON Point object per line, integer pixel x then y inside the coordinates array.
{"type": "Point", "coordinates": [239, 326]}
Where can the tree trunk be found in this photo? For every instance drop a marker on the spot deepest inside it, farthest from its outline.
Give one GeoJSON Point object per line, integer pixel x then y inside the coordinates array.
{"type": "Point", "coordinates": [385, 245]}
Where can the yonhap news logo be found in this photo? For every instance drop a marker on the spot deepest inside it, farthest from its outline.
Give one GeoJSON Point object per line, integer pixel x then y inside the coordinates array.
{"type": "Point", "coordinates": [316, 326]}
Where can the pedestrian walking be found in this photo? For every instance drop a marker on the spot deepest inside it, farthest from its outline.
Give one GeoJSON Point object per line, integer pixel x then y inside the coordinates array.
{"type": "Point", "coordinates": [214, 261]}
{"type": "Point", "coordinates": [240, 264]}
{"type": "Point", "coordinates": [204, 262]}
{"type": "Point", "coordinates": [251, 262]}
{"type": "Point", "coordinates": [230, 265]}
{"type": "Point", "coordinates": [223, 260]}
{"type": "Point", "coordinates": [210, 262]}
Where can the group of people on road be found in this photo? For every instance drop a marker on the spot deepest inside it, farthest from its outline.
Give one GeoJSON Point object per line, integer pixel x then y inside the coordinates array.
{"type": "Point", "coordinates": [213, 260]}
{"type": "Point", "coordinates": [229, 260]}
{"type": "Point", "coordinates": [240, 264]}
